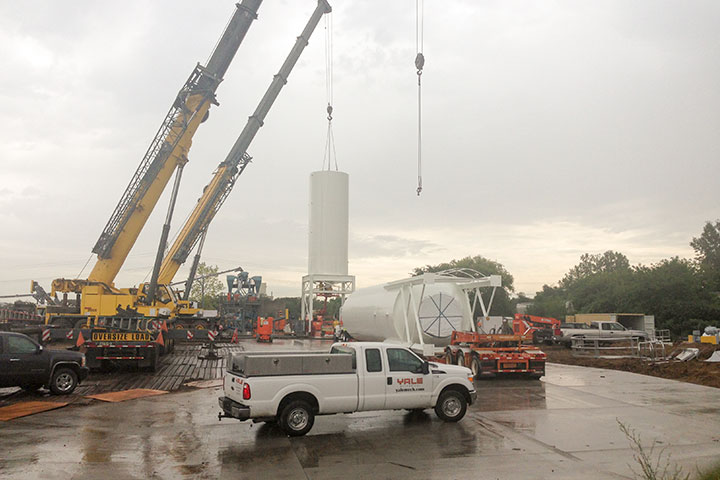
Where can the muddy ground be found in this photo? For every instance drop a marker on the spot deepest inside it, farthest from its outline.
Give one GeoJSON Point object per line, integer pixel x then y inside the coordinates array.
{"type": "Point", "coordinates": [693, 371]}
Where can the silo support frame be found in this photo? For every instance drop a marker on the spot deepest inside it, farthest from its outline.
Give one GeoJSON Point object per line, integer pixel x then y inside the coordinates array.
{"type": "Point", "coordinates": [478, 298]}
{"type": "Point", "coordinates": [313, 285]}
{"type": "Point", "coordinates": [411, 307]}
{"type": "Point", "coordinates": [411, 310]}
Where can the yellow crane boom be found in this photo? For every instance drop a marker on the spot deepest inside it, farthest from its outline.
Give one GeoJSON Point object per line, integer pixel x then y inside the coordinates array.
{"type": "Point", "coordinates": [168, 150]}
{"type": "Point", "coordinates": [237, 159]}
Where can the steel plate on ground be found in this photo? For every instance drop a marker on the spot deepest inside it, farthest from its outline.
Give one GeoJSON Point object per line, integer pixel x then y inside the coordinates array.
{"type": "Point", "coordinates": [27, 408]}
{"type": "Point", "coordinates": [126, 395]}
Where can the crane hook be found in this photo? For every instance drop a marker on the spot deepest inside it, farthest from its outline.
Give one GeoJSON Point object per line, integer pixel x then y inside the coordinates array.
{"type": "Point", "coordinates": [419, 63]}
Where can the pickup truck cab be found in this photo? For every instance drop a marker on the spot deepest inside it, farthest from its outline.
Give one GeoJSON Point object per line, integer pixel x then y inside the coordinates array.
{"type": "Point", "coordinates": [294, 387]}
{"type": "Point", "coordinates": [598, 330]}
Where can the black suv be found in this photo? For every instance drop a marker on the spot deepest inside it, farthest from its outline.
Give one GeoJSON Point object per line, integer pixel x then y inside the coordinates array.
{"type": "Point", "coordinates": [24, 363]}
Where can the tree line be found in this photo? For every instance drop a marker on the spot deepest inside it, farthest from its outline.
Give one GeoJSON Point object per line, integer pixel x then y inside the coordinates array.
{"type": "Point", "coordinates": [682, 294]}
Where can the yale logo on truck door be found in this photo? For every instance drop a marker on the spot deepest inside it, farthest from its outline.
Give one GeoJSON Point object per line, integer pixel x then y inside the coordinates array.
{"type": "Point", "coordinates": [413, 384]}
{"type": "Point", "coordinates": [120, 337]}
{"type": "Point", "coordinates": [409, 381]}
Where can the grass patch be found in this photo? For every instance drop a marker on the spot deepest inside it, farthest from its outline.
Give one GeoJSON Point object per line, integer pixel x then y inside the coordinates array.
{"type": "Point", "coordinates": [654, 464]}
{"type": "Point", "coordinates": [713, 474]}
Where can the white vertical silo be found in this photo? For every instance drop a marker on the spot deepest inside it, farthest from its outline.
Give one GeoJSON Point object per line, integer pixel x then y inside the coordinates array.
{"type": "Point", "coordinates": [327, 240]}
{"type": "Point", "coordinates": [328, 236]}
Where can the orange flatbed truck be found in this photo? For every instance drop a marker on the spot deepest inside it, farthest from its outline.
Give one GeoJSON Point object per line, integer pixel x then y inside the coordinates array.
{"type": "Point", "coordinates": [491, 355]}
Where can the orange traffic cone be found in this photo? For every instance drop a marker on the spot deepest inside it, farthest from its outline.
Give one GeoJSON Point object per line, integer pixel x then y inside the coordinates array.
{"type": "Point", "coordinates": [164, 326]}
{"type": "Point", "coordinates": [159, 339]}
{"type": "Point", "coordinates": [80, 339]}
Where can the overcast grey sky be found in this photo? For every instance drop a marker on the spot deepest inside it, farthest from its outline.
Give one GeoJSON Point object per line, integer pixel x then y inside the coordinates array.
{"type": "Point", "coordinates": [551, 129]}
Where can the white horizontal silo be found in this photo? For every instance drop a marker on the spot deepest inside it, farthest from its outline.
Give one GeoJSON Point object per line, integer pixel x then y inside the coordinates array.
{"type": "Point", "coordinates": [424, 309]}
{"type": "Point", "coordinates": [328, 236]}
{"type": "Point", "coordinates": [378, 314]}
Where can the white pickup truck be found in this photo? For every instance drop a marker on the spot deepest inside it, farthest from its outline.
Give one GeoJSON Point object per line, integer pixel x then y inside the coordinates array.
{"type": "Point", "coordinates": [598, 330]}
{"type": "Point", "coordinates": [293, 387]}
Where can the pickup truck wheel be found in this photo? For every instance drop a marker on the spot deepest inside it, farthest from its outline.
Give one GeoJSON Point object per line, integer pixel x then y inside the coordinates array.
{"type": "Point", "coordinates": [297, 418]}
{"type": "Point", "coordinates": [451, 406]}
{"type": "Point", "coordinates": [63, 381]}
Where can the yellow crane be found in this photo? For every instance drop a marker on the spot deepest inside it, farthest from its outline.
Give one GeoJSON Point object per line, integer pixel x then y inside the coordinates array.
{"type": "Point", "coordinates": [226, 174]}
{"type": "Point", "coordinates": [167, 153]}
{"type": "Point", "coordinates": [100, 298]}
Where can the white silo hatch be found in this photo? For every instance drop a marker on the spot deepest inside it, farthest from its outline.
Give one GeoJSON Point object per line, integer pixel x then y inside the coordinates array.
{"type": "Point", "coordinates": [440, 314]}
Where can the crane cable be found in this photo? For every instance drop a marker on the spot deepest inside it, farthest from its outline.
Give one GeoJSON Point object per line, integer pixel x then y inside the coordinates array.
{"type": "Point", "coordinates": [84, 266]}
{"type": "Point", "coordinates": [330, 154]}
{"type": "Point", "coordinates": [419, 64]}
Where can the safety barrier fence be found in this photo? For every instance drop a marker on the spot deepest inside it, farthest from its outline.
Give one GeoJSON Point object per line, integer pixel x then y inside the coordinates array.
{"type": "Point", "coordinates": [618, 347]}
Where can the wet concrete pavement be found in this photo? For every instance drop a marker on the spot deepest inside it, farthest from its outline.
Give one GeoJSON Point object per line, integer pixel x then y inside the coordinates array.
{"type": "Point", "coordinates": [564, 427]}
{"type": "Point", "coordinates": [180, 367]}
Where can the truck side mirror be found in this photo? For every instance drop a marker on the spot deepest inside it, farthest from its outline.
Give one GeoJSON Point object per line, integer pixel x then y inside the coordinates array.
{"type": "Point", "coordinates": [39, 350]}
{"type": "Point", "coordinates": [425, 368]}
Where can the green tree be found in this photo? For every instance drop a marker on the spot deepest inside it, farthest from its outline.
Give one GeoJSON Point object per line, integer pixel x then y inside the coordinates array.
{"type": "Point", "coordinates": [595, 285]}
{"type": "Point", "coordinates": [502, 304]}
{"type": "Point", "coordinates": [293, 306]}
{"type": "Point", "coordinates": [521, 298]}
{"type": "Point", "coordinates": [589, 265]}
{"type": "Point", "coordinates": [605, 291]}
{"type": "Point", "coordinates": [333, 308]}
{"type": "Point", "coordinates": [707, 254]}
{"type": "Point", "coordinates": [207, 287]}
{"type": "Point", "coordinates": [550, 302]}
{"type": "Point", "coordinates": [673, 291]}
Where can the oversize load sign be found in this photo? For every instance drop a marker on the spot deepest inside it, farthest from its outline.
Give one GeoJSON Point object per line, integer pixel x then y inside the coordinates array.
{"type": "Point", "coordinates": [120, 337]}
